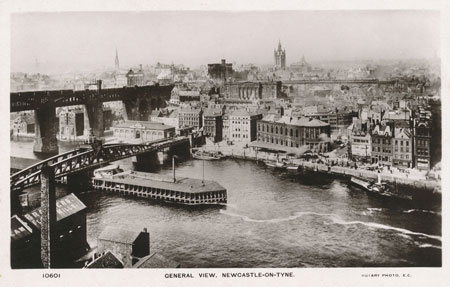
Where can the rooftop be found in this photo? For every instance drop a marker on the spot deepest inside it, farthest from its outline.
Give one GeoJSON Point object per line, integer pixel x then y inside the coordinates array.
{"type": "Point", "coordinates": [65, 207]}
{"type": "Point", "coordinates": [119, 235]}
{"type": "Point", "coordinates": [156, 261]}
{"type": "Point", "coordinates": [303, 121]}
{"type": "Point", "coordinates": [107, 260]}
{"type": "Point", "coordinates": [19, 228]}
{"type": "Point", "coordinates": [143, 125]}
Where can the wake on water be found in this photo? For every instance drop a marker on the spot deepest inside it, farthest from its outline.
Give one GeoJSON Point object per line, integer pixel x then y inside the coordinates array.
{"type": "Point", "coordinates": [336, 220]}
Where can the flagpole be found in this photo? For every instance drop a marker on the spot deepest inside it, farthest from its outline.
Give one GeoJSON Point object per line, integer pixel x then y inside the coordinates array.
{"type": "Point", "coordinates": [203, 172]}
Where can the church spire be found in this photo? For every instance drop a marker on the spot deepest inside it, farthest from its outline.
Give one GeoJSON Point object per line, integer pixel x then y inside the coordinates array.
{"type": "Point", "coordinates": [117, 61]}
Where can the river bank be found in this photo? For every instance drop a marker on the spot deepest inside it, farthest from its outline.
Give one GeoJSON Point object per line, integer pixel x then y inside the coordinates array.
{"type": "Point", "coordinates": [412, 178]}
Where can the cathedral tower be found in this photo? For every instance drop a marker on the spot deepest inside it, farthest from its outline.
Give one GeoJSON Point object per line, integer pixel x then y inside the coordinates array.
{"type": "Point", "coordinates": [280, 57]}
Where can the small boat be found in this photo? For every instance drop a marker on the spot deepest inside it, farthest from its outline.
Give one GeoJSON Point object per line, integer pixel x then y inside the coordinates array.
{"type": "Point", "coordinates": [205, 156]}
{"type": "Point", "coordinates": [292, 167]}
{"type": "Point", "coordinates": [377, 188]}
{"type": "Point", "coordinates": [275, 164]}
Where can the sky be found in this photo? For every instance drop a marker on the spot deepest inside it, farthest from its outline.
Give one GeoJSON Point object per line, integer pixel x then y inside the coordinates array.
{"type": "Point", "coordinates": [85, 40]}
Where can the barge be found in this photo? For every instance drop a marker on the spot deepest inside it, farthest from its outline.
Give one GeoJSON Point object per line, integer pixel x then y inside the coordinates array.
{"type": "Point", "coordinates": [377, 188]}
{"type": "Point", "coordinates": [189, 191]}
{"type": "Point", "coordinates": [208, 155]}
{"type": "Point", "coordinates": [275, 164]}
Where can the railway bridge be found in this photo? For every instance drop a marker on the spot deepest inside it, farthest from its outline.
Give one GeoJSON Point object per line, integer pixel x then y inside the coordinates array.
{"type": "Point", "coordinates": [138, 101]}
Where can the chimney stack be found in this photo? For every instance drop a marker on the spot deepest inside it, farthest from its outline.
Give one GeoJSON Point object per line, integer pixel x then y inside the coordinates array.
{"type": "Point", "coordinates": [48, 216]}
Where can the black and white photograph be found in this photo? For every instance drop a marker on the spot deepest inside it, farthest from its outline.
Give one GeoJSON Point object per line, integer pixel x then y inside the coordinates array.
{"type": "Point", "coordinates": [246, 142]}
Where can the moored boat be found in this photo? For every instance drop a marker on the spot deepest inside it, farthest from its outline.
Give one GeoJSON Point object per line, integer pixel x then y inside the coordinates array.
{"type": "Point", "coordinates": [377, 188]}
{"type": "Point", "coordinates": [275, 164]}
{"type": "Point", "coordinates": [205, 156]}
{"type": "Point", "coordinates": [292, 167]}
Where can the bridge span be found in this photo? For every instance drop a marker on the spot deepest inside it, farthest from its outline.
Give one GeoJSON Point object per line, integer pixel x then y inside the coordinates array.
{"type": "Point", "coordinates": [87, 159]}
{"type": "Point", "coordinates": [138, 101]}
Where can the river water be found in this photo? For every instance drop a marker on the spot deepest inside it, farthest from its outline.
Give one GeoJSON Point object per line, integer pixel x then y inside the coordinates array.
{"type": "Point", "coordinates": [274, 219]}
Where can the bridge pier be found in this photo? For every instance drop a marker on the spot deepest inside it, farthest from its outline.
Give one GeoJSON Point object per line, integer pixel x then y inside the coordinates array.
{"type": "Point", "coordinates": [93, 118]}
{"type": "Point", "coordinates": [182, 150]}
{"type": "Point", "coordinates": [46, 129]}
{"type": "Point", "coordinates": [79, 182]}
{"type": "Point", "coordinates": [148, 161]}
{"type": "Point", "coordinates": [48, 217]}
{"type": "Point", "coordinates": [138, 109]}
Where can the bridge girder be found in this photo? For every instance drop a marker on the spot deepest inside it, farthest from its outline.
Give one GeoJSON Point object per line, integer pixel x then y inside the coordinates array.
{"type": "Point", "coordinates": [81, 160]}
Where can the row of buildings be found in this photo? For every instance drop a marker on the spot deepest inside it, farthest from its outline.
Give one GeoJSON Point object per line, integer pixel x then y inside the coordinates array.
{"type": "Point", "coordinates": [270, 128]}
{"type": "Point", "coordinates": [402, 141]}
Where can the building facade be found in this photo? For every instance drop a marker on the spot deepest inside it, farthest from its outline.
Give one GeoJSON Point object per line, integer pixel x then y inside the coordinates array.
{"type": "Point", "coordinates": [422, 144]}
{"type": "Point", "coordinates": [338, 120]}
{"type": "Point", "coordinates": [253, 91]}
{"type": "Point", "coordinates": [289, 132]}
{"type": "Point", "coordinates": [382, 145]}
{"type": "Point", "coordinates": [140, 131]}
{"type": "Point", "coordinates": [360, 145]}
{"type": "Point", "coordinates": [71, 124]}
{"type": "Point", "coordinates": [226, 127]}
{"type": "Point", "coordinates": [243, 126]}
{"type": "Point", "coordinates": [213, 125]}
{"type": "Point", "coordinates": [221, 71]}
{"type": "Point", "coordinates": [190, 117]}
{"type": "Point", "coordinates": [402, 148]}
{"type": "Point", "coordinates": [135, 78]}
{"type": "Point", "coordinates": [23, 124]}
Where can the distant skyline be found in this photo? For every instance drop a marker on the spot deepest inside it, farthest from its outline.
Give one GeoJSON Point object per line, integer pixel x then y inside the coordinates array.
{"type": "Point", "coordinates": [88, 40]}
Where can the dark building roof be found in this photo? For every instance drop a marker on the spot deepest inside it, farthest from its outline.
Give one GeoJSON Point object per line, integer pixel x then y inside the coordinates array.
{"type": "Point", "coordinates": [19, 228]}
{"type": "Point", "coordinates": [119, 235]}
{"type": "Point", "coordinates": [156, 261]}
{"type": "Point", "coordinates": [65, 207]}
{"type": "Point", "coordinates": [107, 260]}
{"type": "Point", "coordinates": [212, 112]}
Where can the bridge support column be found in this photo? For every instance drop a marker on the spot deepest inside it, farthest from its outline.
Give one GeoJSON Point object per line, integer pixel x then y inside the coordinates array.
{"type": "Point", "coordinates": [181, 150]}
{"type": "Point", "coordinates": [93, 119]}
{"type": "Point", "coordinates": [132, 109]}
{"type": "Point", "coordinates": [79, 182]}
{"type": "Point", "coordinates": [138, 110]}
{"type": "Point", "coordinates": [46, 129]}
{"type": "Point", "coordinates": [147, 162]}
{"type": "Point", "coordinates": [48, 217]}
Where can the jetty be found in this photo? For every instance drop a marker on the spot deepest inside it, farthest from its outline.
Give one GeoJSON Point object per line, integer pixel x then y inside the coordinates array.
{"type": "Point", "coordinates": [189, 191]}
